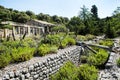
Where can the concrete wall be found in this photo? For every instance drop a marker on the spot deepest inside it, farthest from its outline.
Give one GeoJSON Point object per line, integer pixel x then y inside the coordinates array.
{"type": "Point", "coordinates": [42, 70]}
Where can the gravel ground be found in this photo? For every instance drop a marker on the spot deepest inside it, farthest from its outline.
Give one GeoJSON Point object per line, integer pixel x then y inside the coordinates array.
{"type": "Point", "coordinates": [19, 66]}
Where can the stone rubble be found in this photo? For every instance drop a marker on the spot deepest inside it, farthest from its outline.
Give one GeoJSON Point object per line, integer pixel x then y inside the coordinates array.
{"type": "Point", "coordinates": [111, 71]}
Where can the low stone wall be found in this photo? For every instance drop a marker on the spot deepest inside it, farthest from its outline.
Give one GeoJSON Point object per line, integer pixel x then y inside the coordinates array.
{"type": "Point", "coordinates": [42, 70]}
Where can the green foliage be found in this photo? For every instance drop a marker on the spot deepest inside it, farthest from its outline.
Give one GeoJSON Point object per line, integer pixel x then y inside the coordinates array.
{"type": "Point", "coordinates": [67, 72]}
{"type": "Point", "coordinates": [94, 11]}
{"type": "Point", "coordinates": [106, 42]}
{"type": "Point", "coordinates": [89, 37]}
{"type": "Point", "coordinates": [16, 51]}
{"type": "Point", "coordinates": [70, 72]}
{"type": "Point", "coordinates": [44, 49]}
{"type": "Point", "coordinates": [67, 41]}
{"type": "Point", "coordinates": [53, 39]}
{"type": "Point", "coordinates": [5, 26]}
{"type": "Point", "coordinates": [98, 59]}
{"type": "Point", "coordinates": [83, 59]}
{"type": "Point", "coordinates": [76, 25]}
{"type": "Point", "coordinates": [81, 38]}
{"type": "Point", "coordinates": [59, 29]}
{"type": "Point", "coordinates": [22, 54]}
{"type": "Point", "coordinates": [86, 72]}
{"type": "Point", "coordinates": [85, 38]}
{"type": "Point", "coordinates": [118, 62]}
{"type": "Point", "coordinates": [5, 59]}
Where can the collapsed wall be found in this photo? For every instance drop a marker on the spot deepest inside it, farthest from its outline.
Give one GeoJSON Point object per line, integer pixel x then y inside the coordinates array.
{"type": "Point", "coordinates": [42, 70]}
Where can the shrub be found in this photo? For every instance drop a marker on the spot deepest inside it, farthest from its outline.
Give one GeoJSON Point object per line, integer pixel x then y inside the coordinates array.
{"type": "Point", "coordinates": [87, 72]}
{"type": "Point", "coordinates": [52, 39]}
{"type": "Point", "coordinates": [43, 49]}
{"type": "Point", "coordinates": [63, 43]}
{"type": "Point", "coordinates": [70, 72]}
{"type": "Point", "coordinates": [12, 44]}
{"type": "Point", "coordinates": [118, 62]}
{"type": "Point", "coordinates": [67, 41]}
{"type": "Point", "coordinates": [5, 59]}
{"type": "Point", "coordinates": [81, 38]}
{"type": "Point", "coordinates": [67, 72]}
{"type": "Point", "coordinates": [89, 37]}
{"type": "Point", "coordinates": [98, 59]}
{"type": "Point", "coordinates": [53, 49]}
{"type": "Point", "coordinates": [71, 41]}
{"type": "Point", "coordinates": [83, 59]}
{"type": "Point", "coordinates": [107, 42]}
{"type": "Point", "coordinates": [22, 54]}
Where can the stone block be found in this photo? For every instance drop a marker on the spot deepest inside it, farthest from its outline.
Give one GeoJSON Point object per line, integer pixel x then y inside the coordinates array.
{"type": "Point", "coordinates": [11, 74]}
{"type": "Point", "coordinates": [31, 68]}
{"type": "Point", "coordinates": [6, 77]}
{"type": "Point", "coordinates": [27, 75]}
{"type": "Point", "coordinates": [22, 77]}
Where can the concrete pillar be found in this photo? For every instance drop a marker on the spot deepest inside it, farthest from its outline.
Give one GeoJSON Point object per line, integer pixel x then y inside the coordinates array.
{"type": "Point", "coordinates": [28, 30]}
{"type": "Point", "coordinates": [18, 30]}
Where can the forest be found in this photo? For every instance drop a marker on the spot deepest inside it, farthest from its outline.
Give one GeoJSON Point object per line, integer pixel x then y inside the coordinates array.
{"type": "Point", "coordinates": [87, 21]}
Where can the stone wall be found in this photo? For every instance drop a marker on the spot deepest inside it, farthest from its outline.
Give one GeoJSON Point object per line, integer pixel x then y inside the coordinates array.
{"type": "Point", "coordinates": [42, 70]}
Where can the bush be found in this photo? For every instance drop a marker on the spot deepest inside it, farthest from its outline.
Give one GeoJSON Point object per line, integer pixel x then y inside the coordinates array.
{"type": "Point", "coordinates": [67, 72]}
{"type": "Point", "coordinates": [81, 38]}
{"type": "Point", "coordinates": [98, 59]}
{"type": "Point", "coordinates": [22, 54]}
{"type": "Point", "coordinates": [67, 41]}
{"type": "Point", "coordinates": [118, 62]}
{"type": "Point", "coordinates": [53, 49]}
{"type": "Point", "coordinates": [83, 59]}
{"type": "Point", "coordinates": [71, 41]}
{"type": "Point", "coordinates": [107, 42]}
{"type": "Point", "coordinates": [44, 49]}
{"type": "Point", "coordinates": [87, 72]}
{"type": "Point", "coordinates": [70, 72]}
{"type": "Point", "coordinates": [5, 59]}
{"type": "Point", "coordinates": [12, 44]}
{"type": "Point", "coordinates": [89, 36]}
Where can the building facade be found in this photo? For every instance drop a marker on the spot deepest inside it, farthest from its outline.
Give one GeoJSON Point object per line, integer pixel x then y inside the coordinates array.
{"type": "Point", "coordinates": [31, 28]}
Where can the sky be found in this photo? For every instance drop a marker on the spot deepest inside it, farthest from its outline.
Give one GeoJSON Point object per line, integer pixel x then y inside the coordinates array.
{"type": "Point", "coordinates": [65, 8]}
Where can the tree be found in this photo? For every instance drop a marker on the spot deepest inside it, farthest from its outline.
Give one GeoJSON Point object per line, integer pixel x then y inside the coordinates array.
{"type": "Point", "coordinates": [84, 13]}
{"type": "Point", "coordinates": [110, 31]}
{"type": "Point", "coordinates": [117, 11]}
{"type": "Point", "coordinates": [22, 17]}
{"type": "Point", "coordinates": [5, 14]}
{"type": "Point", "coordinates": [31, 14]}
{"type": "Point", "coordinates": [76, 25]}
{"type": "Point", "coordinates": [44, 17]}
{"type": "Point", "coordinates": [85, 16]}
{"type": "Point", "coordinates": [94, 11]}
{"type": "Point", "coordinates": [56, 19]}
